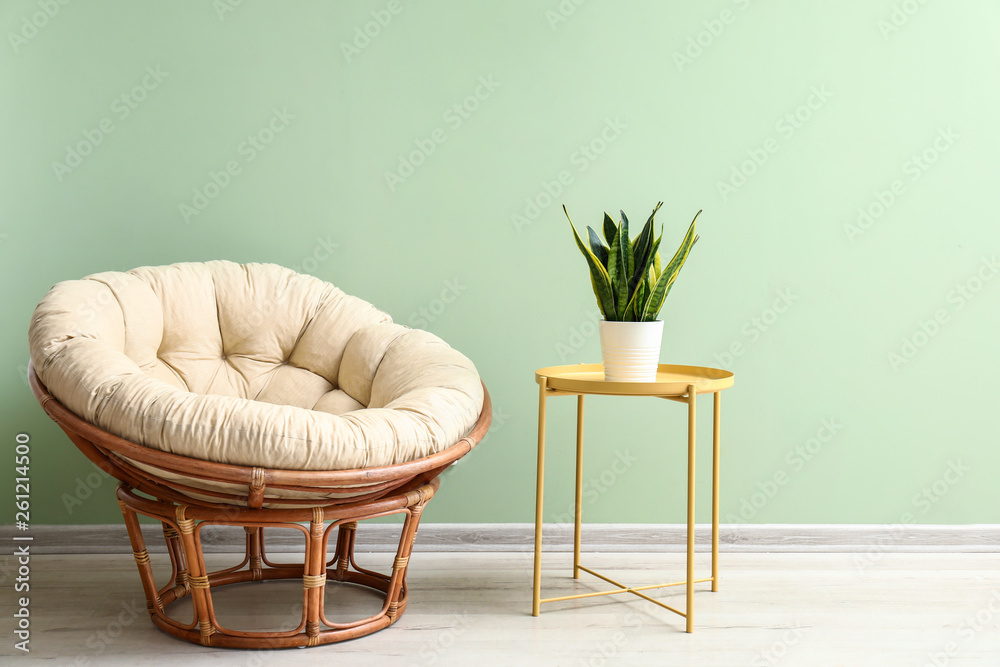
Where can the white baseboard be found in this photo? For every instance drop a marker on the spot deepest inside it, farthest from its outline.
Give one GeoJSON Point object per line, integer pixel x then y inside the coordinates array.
{"type": "Point", "coordinates": [519, 537]}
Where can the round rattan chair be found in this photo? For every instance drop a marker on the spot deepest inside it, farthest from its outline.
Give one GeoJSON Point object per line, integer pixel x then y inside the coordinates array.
{"type": "Point", "coordinates": [132, 425]}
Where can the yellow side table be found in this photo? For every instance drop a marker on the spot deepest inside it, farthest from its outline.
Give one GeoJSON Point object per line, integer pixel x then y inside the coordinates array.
{"type": "Point", "coordinates": [681, 384]}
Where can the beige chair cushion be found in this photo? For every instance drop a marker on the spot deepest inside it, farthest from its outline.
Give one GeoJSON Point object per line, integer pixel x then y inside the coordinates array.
{"type": "Point", "coordinates": [251, 364]}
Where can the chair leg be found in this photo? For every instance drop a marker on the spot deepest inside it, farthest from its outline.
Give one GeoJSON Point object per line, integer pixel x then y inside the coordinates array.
{"type": "Point", "coordinates": [255, 545]}
{"type": "Point", "coordinates": [153, 603]}
{"type": "Point", "coordinates": [314, 576]}
{"type": "Point", "coordinates": [201, 598]}
{"type": "Point", "coordinates": [396, 597]}
{"type": "Point", "coordinates": [394, 583]}
{"type": "Point", "coordinates": [178, 563]}
{"type": "Point", "coordinates": [345, 547]}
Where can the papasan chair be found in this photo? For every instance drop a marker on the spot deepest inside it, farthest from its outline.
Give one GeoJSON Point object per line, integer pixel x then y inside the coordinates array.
{"type": "Point", "coordinates": [252, 396]}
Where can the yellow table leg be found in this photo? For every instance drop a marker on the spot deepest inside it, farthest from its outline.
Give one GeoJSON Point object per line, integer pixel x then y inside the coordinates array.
{"type": "Point", "coordinates": [578, 507]}
{"type": "Point", "coordinates": [539, 489]}
{"type": "Point", "coordinates": [689, 617]}
{"type": "Point", "coordinates": [716, 423]}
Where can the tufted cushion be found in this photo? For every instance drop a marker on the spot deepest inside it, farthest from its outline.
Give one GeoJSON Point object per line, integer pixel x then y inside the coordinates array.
{"type": "Point", "coordinates": [251, 364]}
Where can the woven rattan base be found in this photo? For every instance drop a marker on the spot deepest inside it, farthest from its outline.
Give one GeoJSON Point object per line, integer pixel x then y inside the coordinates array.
{"type": "Point", "coordinates": [189, 576]}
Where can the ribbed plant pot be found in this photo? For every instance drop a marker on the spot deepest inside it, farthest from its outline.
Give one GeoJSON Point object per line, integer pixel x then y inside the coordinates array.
{"type": "Point", "coordinates": [630, 350]}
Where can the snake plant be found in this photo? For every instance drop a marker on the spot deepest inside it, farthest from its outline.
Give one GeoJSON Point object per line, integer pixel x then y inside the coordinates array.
{"type": "Point", "coordinates": [626, 273]}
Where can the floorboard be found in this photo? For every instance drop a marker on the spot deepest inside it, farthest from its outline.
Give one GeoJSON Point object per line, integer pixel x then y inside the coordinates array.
{"type": "Point", "coordinates": [810, 609]}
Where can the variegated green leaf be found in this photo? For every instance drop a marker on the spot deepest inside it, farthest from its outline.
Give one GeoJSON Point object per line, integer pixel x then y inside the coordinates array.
{"type": "Point", "coordinates": [597, 246]}
{"type": "Point", "coordinates": [654, 253]}
{"type": "Point", "coordinates": [643, 245]}
{"type": "Point", "coordinates": [610, 229]}
{"type": "Point", "coordinates": [619, 278]}
{"type": "Point", "coordinates": [682, 252]}
{"type": "Point", "coordinates": [655, 299]}
{"type": "Point", "coordinates": [649, 220]}
{"type": "Point", "coordinates": [599, 278]}
{"type": "Point", "coordinates": [634, 309]}
{"type": "Point", "coordinates": [666, 279]}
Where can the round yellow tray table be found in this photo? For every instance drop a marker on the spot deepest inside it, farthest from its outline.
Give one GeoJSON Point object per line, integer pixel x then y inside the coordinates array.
{"type": "Point", "coordinates": [681, 384]}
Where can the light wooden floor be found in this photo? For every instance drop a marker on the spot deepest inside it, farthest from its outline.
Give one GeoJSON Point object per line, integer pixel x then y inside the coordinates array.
{"type": "Point", "coordinates": [474, 609]}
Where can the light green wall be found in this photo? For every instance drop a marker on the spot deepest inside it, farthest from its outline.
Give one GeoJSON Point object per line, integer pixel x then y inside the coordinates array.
{"type": "Point", "coordinates": [885, 87]}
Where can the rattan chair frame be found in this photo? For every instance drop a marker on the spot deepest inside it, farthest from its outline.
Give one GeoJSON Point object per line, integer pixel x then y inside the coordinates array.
{"type": "Point", "coordinates": [404, 488]}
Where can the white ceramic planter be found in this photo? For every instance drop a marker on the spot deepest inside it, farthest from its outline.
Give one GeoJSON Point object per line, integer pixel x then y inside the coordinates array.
{"type": "Point", "coordinates": [630, 350]}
